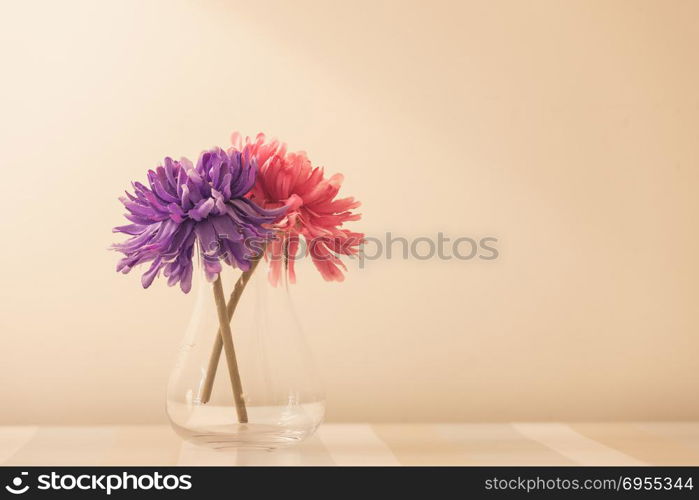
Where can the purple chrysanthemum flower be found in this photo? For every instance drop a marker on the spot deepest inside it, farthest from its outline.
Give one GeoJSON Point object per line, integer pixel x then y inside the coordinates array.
{"type": "Point", "coordinates": [186, 204]}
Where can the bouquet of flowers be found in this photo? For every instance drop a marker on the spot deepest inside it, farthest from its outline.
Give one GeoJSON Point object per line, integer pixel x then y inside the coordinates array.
{"type": "Point", "coordinates": [252, 202]}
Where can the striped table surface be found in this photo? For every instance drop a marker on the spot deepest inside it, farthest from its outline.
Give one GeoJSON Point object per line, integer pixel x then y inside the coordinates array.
{"type": "Point", "coordinates": [638, 443]}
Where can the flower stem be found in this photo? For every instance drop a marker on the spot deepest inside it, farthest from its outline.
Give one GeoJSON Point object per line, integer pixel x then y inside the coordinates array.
{"type": "Point", "coordinates": [233, 372]}
{"type": "Point", "coordinates": [218, 343]}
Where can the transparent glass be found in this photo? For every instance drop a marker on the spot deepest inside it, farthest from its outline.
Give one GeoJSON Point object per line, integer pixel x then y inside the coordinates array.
{"type": "Point", "coordinates": [282, 399]}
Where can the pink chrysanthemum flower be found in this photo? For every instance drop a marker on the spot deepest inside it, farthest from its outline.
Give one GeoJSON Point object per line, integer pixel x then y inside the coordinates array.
{"type": "Point", "coordinates": [313, 212]}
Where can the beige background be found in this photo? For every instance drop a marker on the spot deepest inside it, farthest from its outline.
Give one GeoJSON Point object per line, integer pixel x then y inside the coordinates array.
{"type": "Point", "coordinates": [566, 129]}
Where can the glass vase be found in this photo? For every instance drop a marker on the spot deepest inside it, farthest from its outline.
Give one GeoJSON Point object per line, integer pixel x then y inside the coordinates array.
{"type": "Point", "coordinates": [259, 388]}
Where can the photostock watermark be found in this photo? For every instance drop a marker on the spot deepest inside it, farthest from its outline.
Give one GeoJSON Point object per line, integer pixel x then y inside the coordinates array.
{"type": "Point", "coordinates": [423, 248]}
{"type": "Point", "coordinates": [367, 248]}
{"type": "Point", "coordinates": [101, 483]}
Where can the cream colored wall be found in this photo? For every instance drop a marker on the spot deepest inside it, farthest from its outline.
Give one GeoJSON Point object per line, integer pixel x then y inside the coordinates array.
{"type": "Point", "coordinates": [566, 129]}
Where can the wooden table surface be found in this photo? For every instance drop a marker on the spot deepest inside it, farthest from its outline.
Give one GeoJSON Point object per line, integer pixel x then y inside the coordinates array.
{"type": "Point", "coordinates": [364, 444]}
